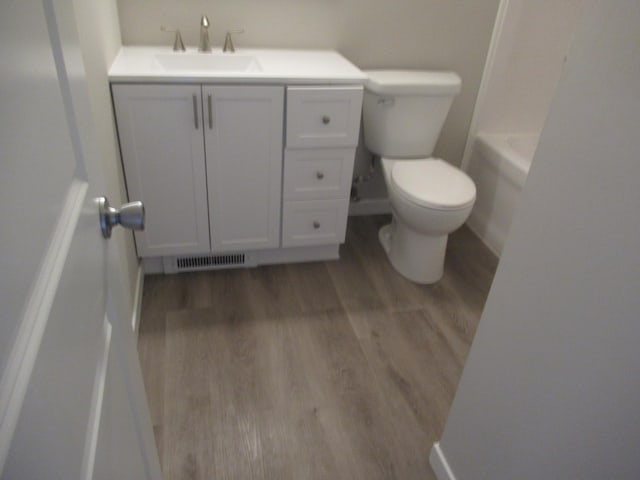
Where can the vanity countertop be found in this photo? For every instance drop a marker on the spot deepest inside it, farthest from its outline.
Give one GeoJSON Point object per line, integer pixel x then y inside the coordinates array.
{"type": "Point", "coordinates": [161, 65]}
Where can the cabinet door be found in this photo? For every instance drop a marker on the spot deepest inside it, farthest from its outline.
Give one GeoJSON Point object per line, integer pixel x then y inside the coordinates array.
{"type": "Point", "coordinates": [160, 130]}
{"type": "Point", "coordinates": [243, 137]}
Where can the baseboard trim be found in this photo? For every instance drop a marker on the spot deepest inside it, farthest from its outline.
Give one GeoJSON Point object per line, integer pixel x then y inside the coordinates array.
{"type": "Point", "coordinates": [370, 206]}
{"type": "Point", "coordinates": [439, 463]}
{"type": "Point", "coordinates": [137, 300]}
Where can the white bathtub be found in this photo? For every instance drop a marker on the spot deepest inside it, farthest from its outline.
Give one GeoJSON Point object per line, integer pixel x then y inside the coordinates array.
{"type": "Point", "coordinates": [498, 165]}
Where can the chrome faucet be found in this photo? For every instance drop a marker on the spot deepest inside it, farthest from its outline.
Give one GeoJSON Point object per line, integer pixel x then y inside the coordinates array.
{"type": "Point", "coordinates": [178, 44]}
{"type": "Point", "coordinates": [205, 44]}
{"type": "Point", "coordinates": [228, 44]}
{"type": "Point", "coordinates": [228, 41]}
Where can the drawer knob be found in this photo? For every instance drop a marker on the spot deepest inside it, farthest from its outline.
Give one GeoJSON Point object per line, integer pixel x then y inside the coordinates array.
{"type": "Point", "coordinates": [326, 119]}
{"type": "Point", "coordinates": [316, 224]}
{"type": "Point", "coordinates": [319, 175]}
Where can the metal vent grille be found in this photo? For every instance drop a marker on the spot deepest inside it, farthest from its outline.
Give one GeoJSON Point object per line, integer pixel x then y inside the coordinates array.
{"type": "Point", "coordinates": [209, 261]}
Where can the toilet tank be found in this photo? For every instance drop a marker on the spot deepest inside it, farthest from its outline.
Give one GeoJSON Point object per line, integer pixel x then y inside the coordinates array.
{"type": "Point", "coordinates": [403, 110]}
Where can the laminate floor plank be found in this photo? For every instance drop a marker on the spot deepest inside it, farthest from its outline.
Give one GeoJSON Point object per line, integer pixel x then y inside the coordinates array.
{"type": "Point", "coordinates": [259, 417]}
{"type": "Point", "coordinates": [415, 365]}
{"type": "Point", "coordinates": [313, 287]}
{"type": "Point", "coordinates": [295, 437]}
{"type": "Point", "coordinates": [209, 431]}
{"type": "Point", "coordinates": [161, 293]}
{"type": "Point", "coordinates": [272, 292]}
{"type": "Point", "coordinates": [326, 370]}
{"type": "Point", "coordinates": [391, 288]}
{"type": "Point", "coordinates": [471, 267]}
{"type": "Point", "coordinates": [352, 408]}
{"type": "Point", "coordinates": [355, 289]}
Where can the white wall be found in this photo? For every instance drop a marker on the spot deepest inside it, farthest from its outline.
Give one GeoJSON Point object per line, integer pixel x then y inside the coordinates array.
{"type": "Point", "coordinates": [551, 388]}
{"type": "Point", "coordinates": [527, 64]}
{"type": "Point", "coordinates": [99, 33]}
{"type": "Point", "coordinates": [415, 34]}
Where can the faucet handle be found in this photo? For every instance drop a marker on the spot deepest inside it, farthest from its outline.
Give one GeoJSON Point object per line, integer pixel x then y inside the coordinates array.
{"type": "Point", "coordinates": [178, 45]}
{"type": "Point", "coordinates": [228, 41]}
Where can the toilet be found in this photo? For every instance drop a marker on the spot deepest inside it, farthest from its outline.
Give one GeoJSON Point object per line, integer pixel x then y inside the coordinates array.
{"type": "Point", "coordinates": [403, 114]}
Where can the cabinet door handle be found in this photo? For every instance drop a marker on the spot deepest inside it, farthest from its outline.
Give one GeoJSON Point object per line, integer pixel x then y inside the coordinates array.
{"type": "Point", "coordinates": [210, 112]}
{"type": "Point", "coordinates": [326, 119]}
{"type": "Point", "coordinates": [195, 110]}
{"type": "Point", "coordinates": [319, 175]}
{"type": "Point", "coordinates": [316, 224]}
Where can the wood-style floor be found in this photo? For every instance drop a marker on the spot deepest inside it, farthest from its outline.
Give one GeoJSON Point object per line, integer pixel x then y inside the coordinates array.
{"type": "Point", "coordinates": [331, 370]}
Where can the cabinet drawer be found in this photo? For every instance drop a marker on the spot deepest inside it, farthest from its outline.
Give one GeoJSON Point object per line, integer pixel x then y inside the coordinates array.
{"type": "Point", "coordinates": [317, 222]}
{"type": "Point", "coordinates": [323, 116]}
{"type": "Point", "coordinates": [318, 173]}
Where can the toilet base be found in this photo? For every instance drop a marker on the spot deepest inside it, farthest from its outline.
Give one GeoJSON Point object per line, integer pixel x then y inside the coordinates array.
{"type": "Point", "coordinates": [418, 257]}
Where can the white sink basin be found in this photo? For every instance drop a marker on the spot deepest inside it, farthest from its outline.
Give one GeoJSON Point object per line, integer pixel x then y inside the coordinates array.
{"type": "Point", "coordinates": [207, 62]}
{"type": "Point", "coordinates": [256, 65]}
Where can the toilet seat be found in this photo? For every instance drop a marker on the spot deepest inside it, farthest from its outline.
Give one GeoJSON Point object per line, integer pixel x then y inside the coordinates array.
{"type": "Point", "coordinates": [432, 183]}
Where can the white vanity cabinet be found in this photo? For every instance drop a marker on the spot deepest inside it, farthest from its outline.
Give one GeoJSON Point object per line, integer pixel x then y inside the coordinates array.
{"type": "Point", "coordinates": [238, 175]}
{"type": "Point", "coordinates": [323, 123]}
{"type": "Point", "coordinates": [162, 145]}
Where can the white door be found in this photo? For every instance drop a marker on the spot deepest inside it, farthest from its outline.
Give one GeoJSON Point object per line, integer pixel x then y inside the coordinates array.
{"type": "Point", "coordinates": [243, 137]}
{"type": "Point", "coordinates": [71, 400]}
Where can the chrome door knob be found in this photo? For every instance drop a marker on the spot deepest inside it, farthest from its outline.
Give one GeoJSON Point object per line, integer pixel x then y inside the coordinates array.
{"type": "Point", "coordinates": [130, 215]}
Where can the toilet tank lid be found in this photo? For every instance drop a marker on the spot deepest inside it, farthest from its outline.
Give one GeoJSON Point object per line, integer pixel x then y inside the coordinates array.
{"type": "Point", "coordinates": [413, 82]}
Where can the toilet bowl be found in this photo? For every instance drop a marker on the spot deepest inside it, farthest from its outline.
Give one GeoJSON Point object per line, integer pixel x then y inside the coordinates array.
{"type": "Point", "coordinates": [403, 114]}
{"type": "Point", "coordinates": [429, 199]}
